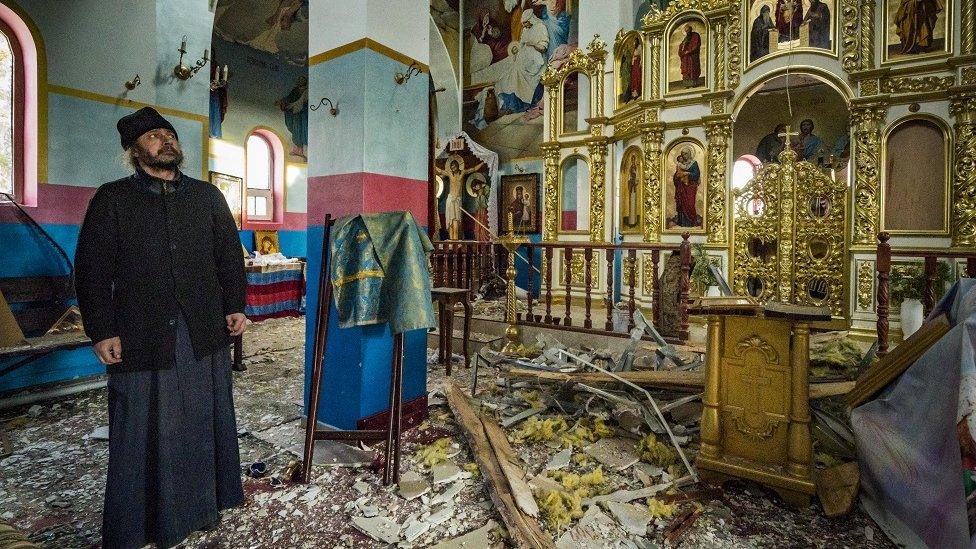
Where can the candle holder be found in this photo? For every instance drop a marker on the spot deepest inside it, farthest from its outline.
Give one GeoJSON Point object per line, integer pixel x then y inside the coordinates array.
{"type": "Point", "coordinates": [514, 347]}
{"type": "Point", "coordinates": [184, 72]}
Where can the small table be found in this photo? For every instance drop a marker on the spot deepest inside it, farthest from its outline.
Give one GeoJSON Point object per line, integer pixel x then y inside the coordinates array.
{"type": "Point", "coordinates": [446, 298]}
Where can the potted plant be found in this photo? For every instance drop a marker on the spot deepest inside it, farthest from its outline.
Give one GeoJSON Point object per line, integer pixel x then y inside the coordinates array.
{"type": "Point", "coordinates": [907, 284]}
{"type": "Point", "coordinates": [701, 275]}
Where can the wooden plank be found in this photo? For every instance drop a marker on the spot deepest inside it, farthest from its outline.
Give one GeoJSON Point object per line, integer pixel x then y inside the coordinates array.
{"type": "Point", "coordinates": [524, 531]}
{"type": "Point", "coordinates": [658, 379]}
{"type": "Point", "coordinates": [829, 389]}
{"type": "Point", "coordinates": [517, 481]}
{"type": "Point", "coordinates": [678, 380]}
{"type": "Point", "coordinates": [893, 364]}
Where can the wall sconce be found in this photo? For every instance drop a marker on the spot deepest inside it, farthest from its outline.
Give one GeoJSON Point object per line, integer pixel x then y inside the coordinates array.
{"type": "Point", "coordinates": [184, 72]}
{"type": "Point", "coordinates": [333, 108]}
{"type": "Point", "coordinates": [132, 84]}
{"type": "Point", "coordinates": [402, 77]}
{"type": "Point", "coordinates": [220, 80]}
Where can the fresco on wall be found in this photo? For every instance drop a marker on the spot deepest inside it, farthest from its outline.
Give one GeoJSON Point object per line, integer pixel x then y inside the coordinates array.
{"type": "Point", "coordinates": [916, 28]}
{"type": "Point", "coordinates": [785, 25]}
{"type": "Point", "coordinates": [687, 57]}
{"type": "Point", "coordinates": [508, 44]}
{"type": "Point", "coordinates": [445, 15]}
{"type": "Point", "coordinates": [294, 107]}
{"type": "Point", "coordinates": [274, 26]}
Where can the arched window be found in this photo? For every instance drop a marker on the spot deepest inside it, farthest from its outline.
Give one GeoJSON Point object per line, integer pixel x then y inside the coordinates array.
{"type": "Point", "coordinates": [20, 109]}
{"type": "Point", "coordinates": [264, 176]}
{"type": "Point", "coordinates": [744, 169]}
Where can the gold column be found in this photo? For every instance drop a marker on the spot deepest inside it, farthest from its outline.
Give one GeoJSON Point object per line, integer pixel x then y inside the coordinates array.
{"type": "Point", "coordinates": [735, 55]}
{"type": "Point", "coordinates": [718, 130]}
{"type": "Point", "coordinates": [968, 27]}
{"type": "Point", "coordinates": [868, 9]}
{"type": "Point", "coordinates": [652, 139]}
{"type": "Point", "coordinates": [550, 170]}
{"type": "Point", "coordinates": [597, 52]}
{"type": "Point", "coordinates": [553, 93]}
{"type": "Point", "coordinates": [598, 163]}
{"type": "Point", "coordinates": [963, 109]}
{"type": "Point", "coordinates": [711, 425]}
{"type": "Point", "coordinates": [798, 451]}
{"type": "Point", "coordinates": [850, 55]}
{"type": "Point", "coordinates": [656, 67]}
{"type": "Point", "coordinates": [719, 55]}
{"type": "Point", "coordinates": [867, 120]}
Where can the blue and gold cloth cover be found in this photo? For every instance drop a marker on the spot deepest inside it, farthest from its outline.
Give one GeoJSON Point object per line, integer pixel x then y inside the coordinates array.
{"type": "Point", "coordinates": [379, 271]}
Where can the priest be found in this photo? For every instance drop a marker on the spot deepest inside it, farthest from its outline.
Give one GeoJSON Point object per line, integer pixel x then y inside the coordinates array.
{"type": "Point", "coordinates": [160, 283]}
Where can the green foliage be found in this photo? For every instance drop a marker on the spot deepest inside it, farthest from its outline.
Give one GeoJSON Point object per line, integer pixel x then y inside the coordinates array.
{"type": "Point", "coordinates": [908, 281]}
{"type": "Point", "coordinates": [700, 273]}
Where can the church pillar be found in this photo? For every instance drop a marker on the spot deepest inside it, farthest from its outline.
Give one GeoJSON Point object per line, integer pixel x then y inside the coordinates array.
{"type": "Point", "coordinates": [867, 119]}
{"type": "Point", "coordinates": [370, 156]}
{"type": "Point", "coordinates": [963, 109]}
{"type": "Point", "coordinates": [718, 130]}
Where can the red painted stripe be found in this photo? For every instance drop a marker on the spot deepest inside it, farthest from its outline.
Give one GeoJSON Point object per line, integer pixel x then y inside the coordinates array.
{"type": "Point", "coordinates": [61, 204]}
{"type": "Point", "coordinates": [363, 192]}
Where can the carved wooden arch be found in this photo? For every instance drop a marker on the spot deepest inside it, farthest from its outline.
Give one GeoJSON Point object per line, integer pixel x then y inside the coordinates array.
{"type": "Point", "coordinates": [580, 184]}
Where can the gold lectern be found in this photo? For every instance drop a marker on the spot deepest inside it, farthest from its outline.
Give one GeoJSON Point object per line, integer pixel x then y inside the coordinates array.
{"type": "Point", "coordinates": [756, 417]}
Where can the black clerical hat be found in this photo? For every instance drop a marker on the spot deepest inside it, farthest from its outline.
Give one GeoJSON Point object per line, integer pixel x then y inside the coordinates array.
{"type": "Point", "coordinates": [132, 126]}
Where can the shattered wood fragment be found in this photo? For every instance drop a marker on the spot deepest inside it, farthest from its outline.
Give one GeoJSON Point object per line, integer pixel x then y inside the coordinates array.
{"type": "Point", "coordinates": [515, 474]}
{"type": "Point", "coordinates": [677, 380]}
{"type": "Point", "coordinates": [836, 388]}
{"type": "Point", "coordinates": [705, 494]}
{"type": "Point", "coordinates": [837, 489]}
{"type": "Point", "coordinates": [524, 530]}
{"type": "Point", "coordinates": [678, 527]}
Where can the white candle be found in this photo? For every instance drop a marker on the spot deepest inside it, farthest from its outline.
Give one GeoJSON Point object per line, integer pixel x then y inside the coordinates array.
{"type": "Point", "coordinates": [225, 73]}
{"type": "Point", "coordinates": [183, 44]}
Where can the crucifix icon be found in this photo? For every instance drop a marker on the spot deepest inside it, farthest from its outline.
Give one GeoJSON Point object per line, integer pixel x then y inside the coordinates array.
{"type": "Point", "coordinates": [755, 380]}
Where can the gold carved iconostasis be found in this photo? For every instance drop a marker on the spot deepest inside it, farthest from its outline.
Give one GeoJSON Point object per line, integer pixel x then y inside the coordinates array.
{"type": "Point", "coordinates": [664, 130]}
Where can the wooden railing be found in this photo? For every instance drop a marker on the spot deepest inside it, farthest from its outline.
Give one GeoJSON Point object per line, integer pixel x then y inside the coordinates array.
{"type": "Point", "coordinates": [931, 258]}
{"type": "Point", "coordinates": [460, 264]}
{"type": "Point", "coordinates": [464, 263]}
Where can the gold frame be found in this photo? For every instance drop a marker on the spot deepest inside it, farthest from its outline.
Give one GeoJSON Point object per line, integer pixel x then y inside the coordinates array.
{"type": "Point", "coordinates": [622, 38]}
{"type": "Point", "coordinates": [637, 151]}
{"type": "Point", "coordinates": [945, 52]}
{"type": "Point", "coordinates": [706, 41]}
{"type": "Point", "coordinates": [559, 195]}
{"type": "Point", "coordinates": [561, 112]}
{"type": "Point", "coordinates": [947, 166]}
{"type": "Point", "coordinates": [703, 184]}
{"type": "Point", "coordinates": [833, 53]}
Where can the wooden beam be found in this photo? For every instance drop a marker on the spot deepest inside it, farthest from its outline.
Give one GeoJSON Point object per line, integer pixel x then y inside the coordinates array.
{"type": "Point", "coordinates": [525, 531]}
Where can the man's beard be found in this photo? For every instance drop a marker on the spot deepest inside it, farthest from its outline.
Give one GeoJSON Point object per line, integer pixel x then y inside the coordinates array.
{"type": "Point", "coordinates": [167, 159]}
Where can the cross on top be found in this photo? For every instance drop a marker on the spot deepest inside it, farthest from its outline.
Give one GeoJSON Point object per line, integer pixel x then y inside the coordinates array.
{"type": "Point", "coordinates": [789, 133]}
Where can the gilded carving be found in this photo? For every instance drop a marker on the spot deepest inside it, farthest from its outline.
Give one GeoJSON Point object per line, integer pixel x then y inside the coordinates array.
{"type": "Point", "coordinates": [865, 285]}
{"type": "Point", "coordinates": [851, 41]}
{"type": "Point", "coordinates": [735, 54]}
{"type": "Point", "coordinates": [906, 84]}
{"type": "Point", "coordinates": [719, 55]}
{"type": "Point", "coordinates": [675, 7]}
{"type": "Point", "coordinates": [870, 87]}
{"type": "Point", "coordinates": [647, 275]}
{"type": "Point", "coordinates": [968, 28]}
{"type": "Point", "coordinates": [550, 155]}
{"type": "Point", "coordinates": [868, 10]}
{"type": "Point", "coordinates": [718, 133]}
{"type": "Point", "coordinates": [968, 76]}
{"type": "Point", "coordinates": [718, 106]}
{"type": "Point", "coordinates": [753, 422]}
{"type": "Point", "coordinates": [867, 121]}
{"type": "Point", "coordinates": [964, 183]}
{"type": "Point", "coordinates": [577, 271]}
{"type": "Point", "coordinates": [598, 162]}
{"type": "Point", "coordinates": [651, 141]}
{"type": "Point", "coordinates": [656, 68]}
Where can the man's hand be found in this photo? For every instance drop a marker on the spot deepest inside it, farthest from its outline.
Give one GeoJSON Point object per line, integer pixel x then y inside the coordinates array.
{"type": "Point", "coordinates": [236, 323]}
{"type": "Point", "coordinates": [109, 351]}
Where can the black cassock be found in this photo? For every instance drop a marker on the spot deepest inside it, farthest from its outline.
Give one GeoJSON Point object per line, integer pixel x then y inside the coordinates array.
{"type": "Point", "coordinates": [173, 453]}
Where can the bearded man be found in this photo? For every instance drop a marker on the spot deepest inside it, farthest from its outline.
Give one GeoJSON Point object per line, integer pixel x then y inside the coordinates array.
{"type": "Point", "coordinates": [160, 283]}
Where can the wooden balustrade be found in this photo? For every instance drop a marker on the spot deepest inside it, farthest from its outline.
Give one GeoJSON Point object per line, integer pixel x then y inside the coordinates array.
{"type": "Point", "coordinates": [467, 264]}
{"type": "Point", "coordinates": [930, 259]}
